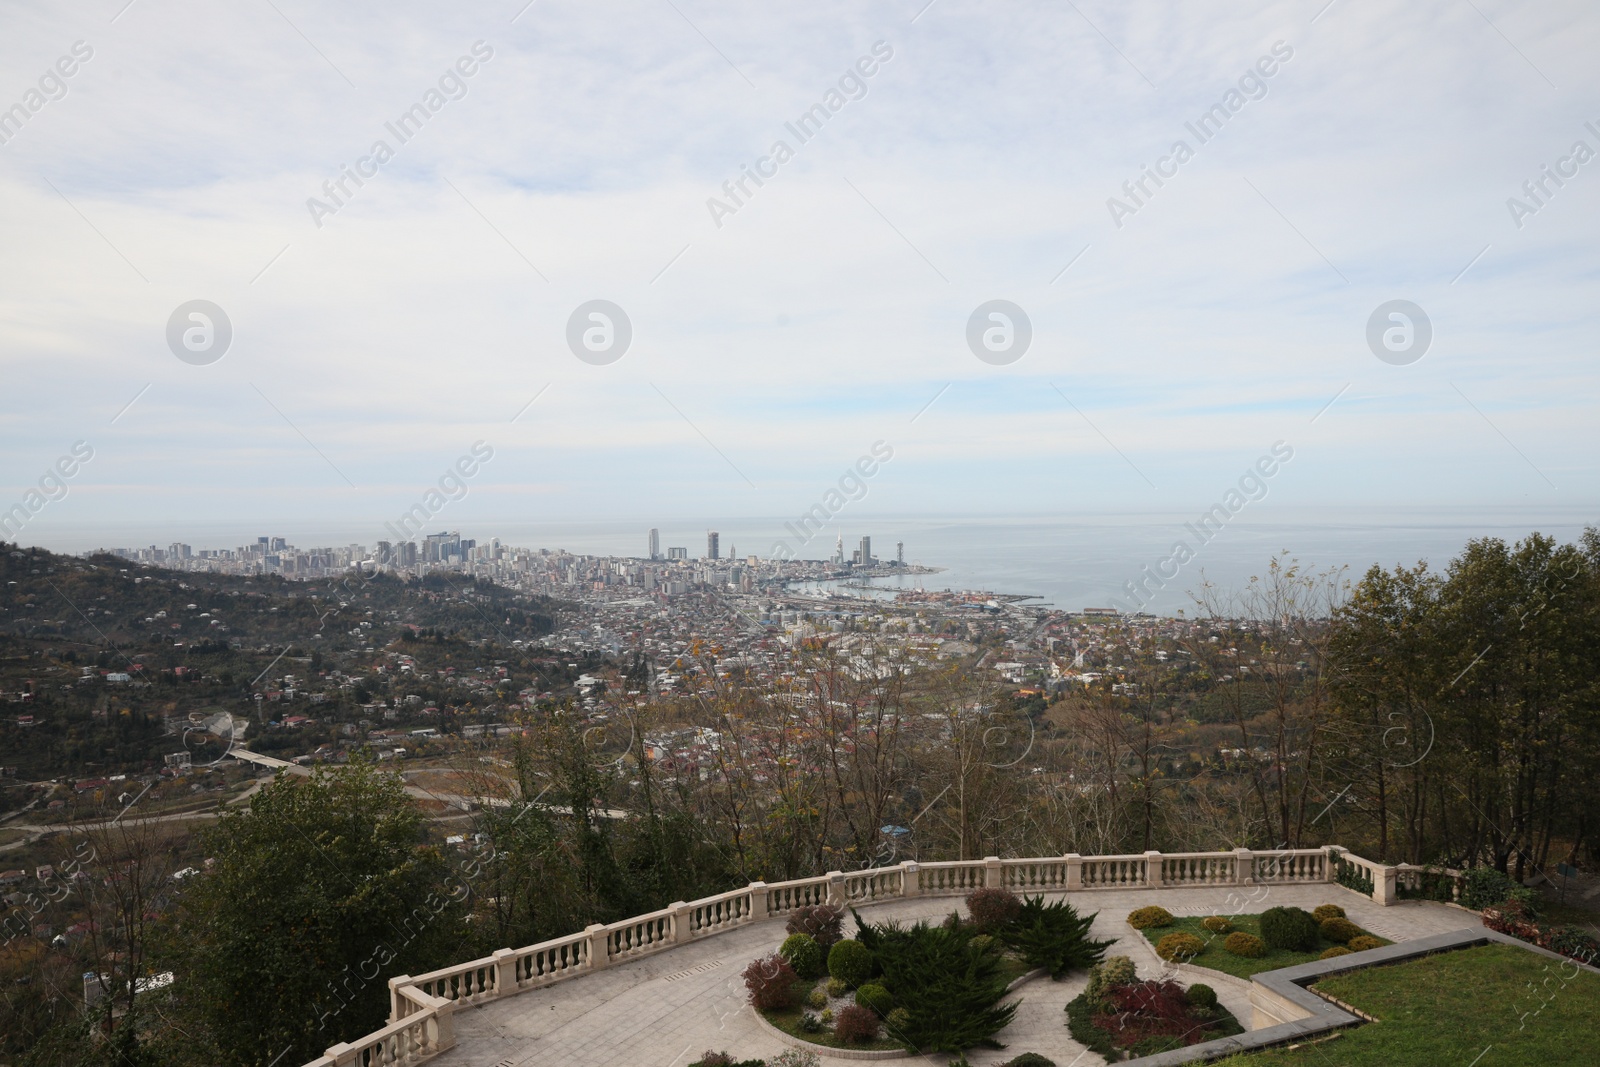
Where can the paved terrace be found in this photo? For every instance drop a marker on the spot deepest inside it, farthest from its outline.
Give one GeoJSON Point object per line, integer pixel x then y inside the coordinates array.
{"type": "Point", "coordinates": [663, 998]}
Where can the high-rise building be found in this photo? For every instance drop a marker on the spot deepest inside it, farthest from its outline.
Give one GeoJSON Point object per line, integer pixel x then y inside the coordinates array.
{"type": "Point", "coordinates": [655, 544]}
{"type": "Point", "coordinates": [711, 544]}
{"type": "Point", "coordinates": [866, 551]}
{"type": "Point", "coordinates": [900, 553]}
{"type": "Point", "coordinates": [676, 552]}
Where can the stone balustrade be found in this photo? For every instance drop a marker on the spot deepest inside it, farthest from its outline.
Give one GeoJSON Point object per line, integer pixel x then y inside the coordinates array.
{"type": "Point", "coordinates": [421, 1007]}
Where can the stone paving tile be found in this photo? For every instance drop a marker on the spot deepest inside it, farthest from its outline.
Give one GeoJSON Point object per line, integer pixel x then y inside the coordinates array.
{"type": "Point", "coordinates": [647, 1013]}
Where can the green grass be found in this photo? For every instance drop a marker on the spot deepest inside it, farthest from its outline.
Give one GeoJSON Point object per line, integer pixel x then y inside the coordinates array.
{"type": "Point", "coordinates": [1220, 959]}
{"type": "Point", "coordinates": [1449, 1008]}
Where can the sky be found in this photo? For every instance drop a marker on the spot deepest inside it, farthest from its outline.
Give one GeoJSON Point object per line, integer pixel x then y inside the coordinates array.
{"type": "Point", "coordinates": [778, 333]}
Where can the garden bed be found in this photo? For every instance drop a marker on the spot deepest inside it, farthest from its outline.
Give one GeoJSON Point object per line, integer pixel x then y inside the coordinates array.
{"type": "Point", "coordinates": [1119, 1016]}
{"type": "Point", "coordinates": [1217, 958]}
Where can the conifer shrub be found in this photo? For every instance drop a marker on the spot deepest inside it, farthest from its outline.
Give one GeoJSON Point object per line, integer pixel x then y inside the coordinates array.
{"type": "Point", "coordinates": [818, 998]}
{"type": "Point", "coordinates": [952, 993]}
{"type": "Point", "coordinates": [838, 987]}
{"type": "Point", "coordinates": [1217, 924]}
{"type": "Point", "coordinates": [803, 954]}
{"type": "Point", "coordinates": [1029, 1059]}
{"type": "Point", "coordinates": [855, 1023]}
{"type": "Point", "coordinates": [1201, 996]}
{"type": "Point", "coordinates": [990, 910]}
{"type": "Point", "coordinates": [1247, 945]}
{"type": "Point", "coordinates": [897, 1021]}
{"type": "Point", "coordinates": [983, 942]}
{"type": "Point", "coordinates": [1109, 973]}
{"type": "Point", "coordinates": [1323, 912]}
{"type": "Point", "coordinates": [874, 996]}
{"type": "Point", "coordinates": [770, 981]}
{"type": "Point", "coordinates": [1144, 918]}
{"type": "Point", "coordinates": [1362, 943]}
{"type": "Point", "coordinates": [1291, 929]}
{"type": "Point", "coordinates": [821, 921]}
{"type": "Point", "coordinates": [850, 962]}
{"type": "Point", "coordinates": [1053, 936]}
{"type": "Point", "coordinates": [1334, 953]}
{"type": "Point", "coordinates": [1176, 948]}
{"type": "Point", "coordinates": [1339, 931]}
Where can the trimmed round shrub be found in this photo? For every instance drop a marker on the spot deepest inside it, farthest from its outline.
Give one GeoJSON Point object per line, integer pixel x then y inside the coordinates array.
{"type": "Point", "coordinates": [803, 954]}
{"type": "Point", "coordinates": [874, 996]}
{"type": "Point", "coordinates": [1217, 924]}
{"type": "Point", "coordinates": [838, 987]}
{"type": "Point", "coordinates": [991, 910]}
{"type": "Point", "coordinates": [850, 962]}
{"type": "Point", "coordinates": [1323, 912]}
{"type": "Point", "coordinates": [1247, 945]}
{"type": "Point", "coordinates": [855, 1023]}
{"type": "Point", "coordinates": [818, 998]}
{"type": "Point", "coordinates": [1201, 996]}
{"type": "Point", "coordinates": [1108, 974]}
{"type": "Point", "coordinates": [1178, 947]}
{"type": "Point", "coordinates": [1334, 952]}
{"type": "Point", "coordinates": [821, 921]}
{"type": "Point", "coordinates": [1029, 1059]}
{"type": "Point", "coordinates": [770, 981]}
{"type": "Point", "coordinates": [982, 943]}
{"type": "Point", "coordinates": [1292, 929]}
{"type": "Point", "coordinates": [827, 1016]}
{"type": "Point", "coordinates": [1340, 930]}
{"type": "Point", "coordinates": [1145, 918]}
{"type": "Point", "coordinates": [897, 1021]}
{"type": "Point", "coordinates": [1362, 943]}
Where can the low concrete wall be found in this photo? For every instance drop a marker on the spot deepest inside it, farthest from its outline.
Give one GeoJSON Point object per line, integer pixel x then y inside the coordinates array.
{"type": "Point", "coordinates": [1288, 1012]}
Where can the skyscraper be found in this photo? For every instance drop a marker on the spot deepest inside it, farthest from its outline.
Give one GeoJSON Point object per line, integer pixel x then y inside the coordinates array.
{"type": "Point", "coordinates": [655, 544]}
{"type": "Point", "coordinates": [866, 551]}
{"type": "Point", "coordinates": [711, 545]}
{"type": "Point", "coordinates": [900, 553]}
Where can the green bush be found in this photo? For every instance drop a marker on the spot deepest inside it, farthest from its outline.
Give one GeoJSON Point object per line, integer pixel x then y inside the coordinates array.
{"type": "Point", "coordinates": [803, 954]}
{"type": "Point", "coordinates": [1029, 1059]}
{"type": "Point", "coordinates": [1291, 929]}
{"type": "Point", "coordinates": [1155, 1045]}
{"type": "Point", "coordinates": [1217, 924]}
{"type": "Point", "coordinates": [1339, 931]}
{"type": "Point", "coordinates": [810, 1024]}
{"type": "Point", "coordinates": [837, 987]}
{"type": "Point", "coordinates": [1247, 945]}
{"type": "Point", "coordinates": [1334, 953]}
{"type": "Point", "coordinates": [1485, 887]}
{"type": "Point", "coordinates": [1201, 996]}
{"type": "Point", "coordinates": [850, 962]}
{"type": "Point", "coordinates": [983, 942]}
{"type": "Point", "coordinates": [712, 1058]}
{"type": "Point", "coordinates": [1364, 942]}
{"type": "Point", "coordinates": [874, 996]}
{"type": "Point", "coordinates": [1176, 948]}
{"type": "Point", "coordinates": [1144, 918]}
{"type": "Point", "coordinates": [818, 998]}
{"type": "Point", "coordinates": [1118, 970]}
{"type": "Point", "coordinates": [897, 1021]}
{"type": "Point", "coordinates": [991, 909]}
{"type": "Point", "coordinates": [1323, 912]}
{"type": "Point", "coordinates": [1053, 936]}
{"type": "Point", "coordinates": [951, 992]}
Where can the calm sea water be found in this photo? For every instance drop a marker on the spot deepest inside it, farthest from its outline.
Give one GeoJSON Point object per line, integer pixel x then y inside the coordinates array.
{"type": "Point", "coordinates": [1070, 562]}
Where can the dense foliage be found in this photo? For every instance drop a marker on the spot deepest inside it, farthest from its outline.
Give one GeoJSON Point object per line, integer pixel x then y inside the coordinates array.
{"type": "Point", "coordinates": [1053, 936]}
{"type": "Point", "coordinates": [950, 991]}
{"type": "Point", "coordinates": [1291, 929]}
{"type": "Point", "coordinates": [991, 909]}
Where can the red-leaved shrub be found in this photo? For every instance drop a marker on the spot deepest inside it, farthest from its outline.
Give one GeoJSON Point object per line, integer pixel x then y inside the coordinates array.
{"type": "Point", "coordinates": [821, 921]}
{"type": "Point", "coordinates": [992, 909]}
{"type": "Point", "coordinates": [1149, 1009]}
{"type": "Point", "coordinates": [771, 981]}
{"type": "Point", "coordinates": [855, 1023]}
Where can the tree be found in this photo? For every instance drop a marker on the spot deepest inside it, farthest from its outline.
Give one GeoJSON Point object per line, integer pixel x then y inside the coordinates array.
{"type": "Point", "coordinates": [314, 897]}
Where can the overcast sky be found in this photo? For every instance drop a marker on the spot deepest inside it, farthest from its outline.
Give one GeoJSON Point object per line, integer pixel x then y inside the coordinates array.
{"type": "Point", "coordinates": [1175, 338]}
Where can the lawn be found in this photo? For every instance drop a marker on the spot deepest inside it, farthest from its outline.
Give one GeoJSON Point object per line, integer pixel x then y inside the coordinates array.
{"type": "Point", "coordinates": [1448, 1009]}
{"type": "Point", "coordinates": [1220, 959]}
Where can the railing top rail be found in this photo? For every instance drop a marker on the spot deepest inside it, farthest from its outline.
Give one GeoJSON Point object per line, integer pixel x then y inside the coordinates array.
{"type": "Point", "coordinates": [462, 968]}
{"type": "Point", "coordinates": [793, 883]}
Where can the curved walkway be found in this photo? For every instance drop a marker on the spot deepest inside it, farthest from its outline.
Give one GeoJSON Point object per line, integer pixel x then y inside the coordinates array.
{"type": "Point", "coordinates": [665, 1010]}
